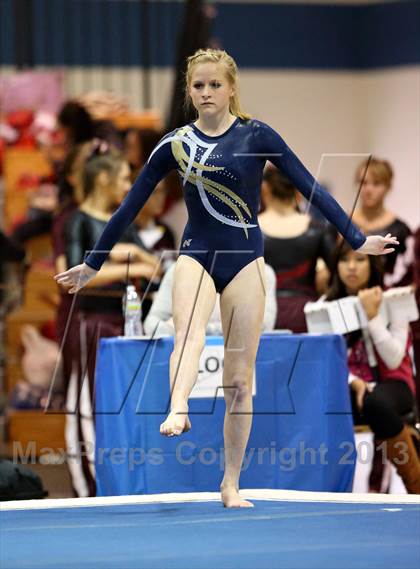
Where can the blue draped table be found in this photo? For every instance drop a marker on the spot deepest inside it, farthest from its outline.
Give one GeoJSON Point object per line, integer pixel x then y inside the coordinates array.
{"type": "Point", "coordinates": [302, 432]}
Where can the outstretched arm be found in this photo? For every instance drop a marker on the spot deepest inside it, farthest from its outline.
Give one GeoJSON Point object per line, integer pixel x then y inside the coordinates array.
{"type": "Point", "coordinates": [160, 163]}
{"type": "Point", "coordinates": [271, 144]}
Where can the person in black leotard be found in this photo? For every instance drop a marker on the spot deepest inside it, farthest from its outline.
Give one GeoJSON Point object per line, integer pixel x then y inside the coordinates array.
{"type": "Point", "coordinates": [293, 243]}
{"type": "Point", "coordinates": [98, 312]}
{"type": "Point", "coordinates": [220, 158]}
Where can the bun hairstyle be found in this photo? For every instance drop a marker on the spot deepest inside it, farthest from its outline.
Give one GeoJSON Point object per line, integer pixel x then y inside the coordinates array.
{"type": "Point", "coordinates": [280, 186]}
{"type": "Point", "coordinates": [231, 72]}
{"type": "Point", "coordinates": [381, 171]}
{"type": "Point", "coordinates": [101, 158]}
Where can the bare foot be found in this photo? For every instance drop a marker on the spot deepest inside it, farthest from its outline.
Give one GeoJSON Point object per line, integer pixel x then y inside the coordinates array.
{"type": "Point", "coordinates": [231, 498]}
{"type": "Point", "coordinates": [175, 424]}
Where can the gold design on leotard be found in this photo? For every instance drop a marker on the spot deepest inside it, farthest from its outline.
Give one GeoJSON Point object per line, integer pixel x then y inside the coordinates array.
{"type": "Point", "coordinates": [214, 188]}
{"type": "Point", "coordinates": [182, 157]}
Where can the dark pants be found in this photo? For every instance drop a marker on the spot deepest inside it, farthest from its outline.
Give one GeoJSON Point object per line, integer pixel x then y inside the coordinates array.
{"type": "Point", "coordinates": [383, 408]}
{"type": "Point", "coordinates": [86, 330]}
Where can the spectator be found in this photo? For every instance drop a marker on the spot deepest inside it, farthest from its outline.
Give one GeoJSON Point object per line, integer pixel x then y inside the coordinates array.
{"type": "Point", "coordinates": [381, 373]}
{"type": "Point", "coordinates": [293, 243]}
{"type": "Point", "coordinates": [375, 178]}
{"type": "Point", "coordinates": [137, 147]}
{"type": "Point", "coordinates": [78, 126]}
{"type": "Point", "coordinates": [70, 190]}
{"type": "Point", "coordinates": [106, 179]}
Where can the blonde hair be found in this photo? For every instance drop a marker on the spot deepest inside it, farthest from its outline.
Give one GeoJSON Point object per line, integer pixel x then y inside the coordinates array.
{"type": "Point", "coordinates": [231, 72]}
{"type": "Point", "coordinates": [381, 170]}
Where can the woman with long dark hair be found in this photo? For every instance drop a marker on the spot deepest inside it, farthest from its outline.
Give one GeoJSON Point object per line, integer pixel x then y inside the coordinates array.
{"type": "Point", "coordinates": [381, 372]}
{"type": "Point", "coordinates": [293, 244]}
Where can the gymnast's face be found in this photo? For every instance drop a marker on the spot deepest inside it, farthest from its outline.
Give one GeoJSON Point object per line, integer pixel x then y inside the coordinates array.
{"type": "Point", "coordinates": [210, 90]}
{"type": "Point", "coordinates": [354, 271]}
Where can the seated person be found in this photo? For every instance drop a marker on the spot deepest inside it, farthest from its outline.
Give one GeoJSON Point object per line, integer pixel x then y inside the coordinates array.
{"type": "Point", "coordinates": [159, 319]}
{"type": "Point", "coordinates": [293, 244]}
{"type": "Point", "coordinates": [381, 373]}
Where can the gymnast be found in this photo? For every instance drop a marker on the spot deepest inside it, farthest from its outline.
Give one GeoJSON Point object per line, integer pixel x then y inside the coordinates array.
{"type": "Point", "coordinates": [220, 159]}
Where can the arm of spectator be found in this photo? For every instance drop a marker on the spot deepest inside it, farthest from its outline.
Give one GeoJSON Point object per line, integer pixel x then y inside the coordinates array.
{"type": "Point", "coordinates": [121, 252]}
{"type": "Point", "coordinates": [112, 272]}
{"type": "Point", "coordinates": [390, 343]}
{"type": "Point", "coordinates": [83, 275]}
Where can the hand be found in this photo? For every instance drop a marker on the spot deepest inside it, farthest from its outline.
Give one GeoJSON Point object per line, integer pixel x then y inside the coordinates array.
{"type": "Point", "coordinates": [360, 387]}
{"type": "Point", "coordinates": [76, 277]}
{"type": "Point", "coordinates": [371, 299]}
{"type": "Point", "coordinates": [377, 245]}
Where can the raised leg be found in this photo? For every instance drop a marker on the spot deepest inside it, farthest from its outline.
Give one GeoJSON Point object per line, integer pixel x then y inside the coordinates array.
{"type": "Point", "coordinates": [193, 298]}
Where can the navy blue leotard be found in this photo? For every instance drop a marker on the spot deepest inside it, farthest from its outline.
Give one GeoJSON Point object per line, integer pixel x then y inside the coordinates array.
{"type": "Point", "coordinates": [221, 176]}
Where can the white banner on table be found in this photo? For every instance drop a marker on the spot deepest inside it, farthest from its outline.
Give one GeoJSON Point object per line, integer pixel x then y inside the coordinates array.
{"type": "Point", "coordinates": [210, 374]}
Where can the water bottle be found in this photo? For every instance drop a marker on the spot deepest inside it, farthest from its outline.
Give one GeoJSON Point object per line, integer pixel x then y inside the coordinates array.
{"type": "Point", "coordinates": [132, 312]}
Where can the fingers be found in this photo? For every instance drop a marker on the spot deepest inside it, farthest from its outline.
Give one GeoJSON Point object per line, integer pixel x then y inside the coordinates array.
{"type": "Point", "coordinates": [64, 278]}
{"type": "Point", "coordinates": [67, 279]}
{"type": "Point", "coordinates": [60, 276]}
{"type": "Point", "coordinates": [64, 281]}
{"type": "Point", "coordinates": [390, 239]}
